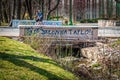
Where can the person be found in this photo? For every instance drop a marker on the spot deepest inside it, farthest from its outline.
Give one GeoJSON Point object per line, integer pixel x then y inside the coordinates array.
{"type": "Point", "coordinates": [39, 16]}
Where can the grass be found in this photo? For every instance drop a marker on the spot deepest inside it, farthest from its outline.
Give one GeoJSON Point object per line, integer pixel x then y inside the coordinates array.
{"type": "Point", "coordinates": [19, 61]}
{"type": "Point", "coordinates": [96, 65]}
{"type": "Point", "coordinates": [4, 24]}
{"type": "Point", "coordinates": [116, 44]}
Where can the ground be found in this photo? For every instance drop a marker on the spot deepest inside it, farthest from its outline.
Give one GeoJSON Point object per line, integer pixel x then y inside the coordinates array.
{"type": "Point", "coordinates": [19, 61]}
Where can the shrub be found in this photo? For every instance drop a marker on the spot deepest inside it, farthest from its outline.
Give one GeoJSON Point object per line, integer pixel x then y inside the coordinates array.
{"type": "Point", "coordinates": [96, 65]}
{"type": "Point", "coordinates": [89, 20]}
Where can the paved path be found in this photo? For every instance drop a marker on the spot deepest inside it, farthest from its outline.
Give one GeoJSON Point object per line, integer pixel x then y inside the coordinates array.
{"type": "Point", "coordinates": [9, 32]}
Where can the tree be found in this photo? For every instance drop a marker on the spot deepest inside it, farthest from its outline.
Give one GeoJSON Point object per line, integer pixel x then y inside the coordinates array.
{"type": "Point", "coordinates": [5, 10]}
{"type": "Point", "coordinates": [0, 11]}
{"type": "Point", "coordinates": [19, 9]}
{"type": "Point", "coordinates": [70, 19]}
{"type": "Point", "coordinates": [118, 1]}
{"type": "Point", "coordinates": [29, 7]}
{"type": "Point", "coordinates": [24, 10]}
{"type": "Point", "coordinates": [49, 8]}
{"type": "Point", "coordinates": [14, 9]}
{"type": "Point", "coordinates": [80, 9]}
{"type": "Point", "coordinates": [42, 5]}
{"type": "Point", "coordinates": [117, 8]}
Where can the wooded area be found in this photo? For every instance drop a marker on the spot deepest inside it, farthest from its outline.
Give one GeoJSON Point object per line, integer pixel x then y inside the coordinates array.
{"type": "Point", "coordinates": [25, 9]}
{"type": "Point", "coordinates": [81, 9]}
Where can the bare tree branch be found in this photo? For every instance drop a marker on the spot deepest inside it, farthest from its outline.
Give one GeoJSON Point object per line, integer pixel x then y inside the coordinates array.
{"type": "Point", "coordinates": [50, 10]}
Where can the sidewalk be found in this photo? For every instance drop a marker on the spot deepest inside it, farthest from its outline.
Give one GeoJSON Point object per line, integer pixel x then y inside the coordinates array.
{"type": "Point", "coordinates": [9, 32]}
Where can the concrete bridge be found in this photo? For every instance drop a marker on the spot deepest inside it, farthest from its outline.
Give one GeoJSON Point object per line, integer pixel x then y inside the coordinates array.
{"type": "Point", "coordinates": [77, 36]}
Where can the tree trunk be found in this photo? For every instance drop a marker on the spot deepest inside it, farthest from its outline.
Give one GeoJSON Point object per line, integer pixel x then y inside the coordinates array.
{"type": "Point", "coordinates": [49, 4]}
{"type": "Point", "coordinates": [12, 6]}
{"type": "Point", "coordinates": [118, 1]}
{"type": "Point", "coordinates": [9, 10]}
{"type": "Point", "coordinates": [5, 13]}
{"type": "Point", "coordinates": [43, 8]}
{"type": "Point", "coordinates": [29, 7]}
{"type": "Point", "coordinates": [1, 13]}
{"type": "Point", "coordinates": [50, 10]}
{"type": "Point", "coordinates": [24, 11]}
{"type": "Point", "coordinates": [14, 9]}
{"type": "Point", "coordinates": [19, 9]}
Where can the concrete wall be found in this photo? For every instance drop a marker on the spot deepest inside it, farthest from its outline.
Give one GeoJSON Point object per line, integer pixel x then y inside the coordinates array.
{"type": "Point", "coordinates": [102, 32]}
{"type": "Point", "coordinates": [109, 32]}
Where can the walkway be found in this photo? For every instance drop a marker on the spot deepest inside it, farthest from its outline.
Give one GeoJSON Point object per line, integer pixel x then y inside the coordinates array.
{"type": "Point", "coordinates": [9, 32]}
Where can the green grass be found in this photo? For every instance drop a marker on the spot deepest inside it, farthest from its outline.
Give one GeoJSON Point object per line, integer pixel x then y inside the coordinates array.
{"type": "Point", "coordinates": [4, 24]}
{"type": "Point", "coordinates": [96, 65]}
{"type": "Point", "coordinates": [19, 61]}
{"type": "Point", "coordinates": [116, 44]}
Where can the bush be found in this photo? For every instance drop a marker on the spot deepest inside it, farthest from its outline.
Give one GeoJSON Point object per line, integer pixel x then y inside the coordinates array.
{"type": "Point", "coordinates": [4, 24]}
{"type": "Point", "coordinates": [89, 21]}
{"type": "Point", "coordinates": [83, 21]}
{"type": "Point", "coordinates": [96, 65]}
{"type": "Point", "coordinates": [55, 17]}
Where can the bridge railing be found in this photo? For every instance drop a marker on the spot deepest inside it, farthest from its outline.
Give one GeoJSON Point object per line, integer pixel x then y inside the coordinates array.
{"type": "Point", "coordinates": [15, 23]}
{"type": "Point", "coordinates": [46, 22]}
{"type": "Point", "coordinates": [109, 32]}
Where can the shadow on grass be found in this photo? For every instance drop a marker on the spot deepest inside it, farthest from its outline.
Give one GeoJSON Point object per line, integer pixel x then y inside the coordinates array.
{"type": "Point", "coordinates": [17, 61]}
{"type": "Point", "coordinates": [50, 61]}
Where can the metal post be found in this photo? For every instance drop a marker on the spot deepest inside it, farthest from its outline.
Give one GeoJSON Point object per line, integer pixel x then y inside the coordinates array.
{"type": "Point", "coordinates": [70, 20]}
